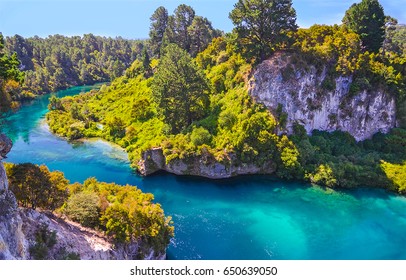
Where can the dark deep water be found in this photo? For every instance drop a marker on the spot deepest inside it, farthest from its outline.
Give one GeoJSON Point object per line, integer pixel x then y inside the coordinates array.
{"type": "Point", "coordinates": [251, 217]}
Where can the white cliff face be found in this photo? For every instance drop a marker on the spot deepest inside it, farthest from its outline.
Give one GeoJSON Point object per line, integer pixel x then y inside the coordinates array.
{"type": "Point", "coordinates": [154, 160]}
{"type": "Point", "coordinates": [300, 94]}
{"type": "Point", "coordinates": [12, 240]}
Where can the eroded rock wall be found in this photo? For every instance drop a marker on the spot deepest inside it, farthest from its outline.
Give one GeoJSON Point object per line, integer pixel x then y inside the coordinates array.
{"type": "Point", "coordinates": [18, 227]}
{"type": "Point", "coordinates": [301, 95]}
{"type": "Point", "coordinates": [204, 166]}
{"type": "Point", "coordinates": [13, 244]}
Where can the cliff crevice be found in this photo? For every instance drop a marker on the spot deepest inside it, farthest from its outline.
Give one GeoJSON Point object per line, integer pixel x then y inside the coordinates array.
{"type": "Point", "coordinates": [310, 97]}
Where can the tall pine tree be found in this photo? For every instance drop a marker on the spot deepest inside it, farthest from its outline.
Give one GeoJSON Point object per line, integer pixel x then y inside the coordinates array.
{"type": "Point", "coordinates": [367, 19]}
{"type": "Point", "coordinates": [159, 23]}
{"type": "Point", "coordinates": [180, 88]}
{"type": "Point", "coordinates": [263, 26]}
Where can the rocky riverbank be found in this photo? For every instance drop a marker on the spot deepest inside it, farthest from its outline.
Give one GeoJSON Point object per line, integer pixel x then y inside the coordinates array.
{"type": "Point", "coordinates": [154, 160]}
{"type": "Point", "coordinates": [19, 228]}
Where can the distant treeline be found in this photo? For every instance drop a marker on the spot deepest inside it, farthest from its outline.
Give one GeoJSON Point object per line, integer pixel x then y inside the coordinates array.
{"type": "Point", "coordinates": [57, 62]}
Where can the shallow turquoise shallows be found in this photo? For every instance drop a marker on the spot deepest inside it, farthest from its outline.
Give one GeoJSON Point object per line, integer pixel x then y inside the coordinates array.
{"type": "Point", "coordinates": [252, 217]}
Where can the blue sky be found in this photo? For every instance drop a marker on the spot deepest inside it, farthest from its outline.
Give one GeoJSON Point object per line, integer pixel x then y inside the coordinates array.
{"type": "Point", "coordinates": [130, 18]}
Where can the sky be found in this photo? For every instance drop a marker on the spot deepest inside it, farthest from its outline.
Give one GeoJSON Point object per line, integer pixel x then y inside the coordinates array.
{"type": "Point", "coordinates": [130, 18]}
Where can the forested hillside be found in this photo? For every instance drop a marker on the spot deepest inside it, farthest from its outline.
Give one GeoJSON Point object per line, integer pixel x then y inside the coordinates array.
{"type": "Point", "coordinates": [57, 62]}
{"type": "Point", "coordinates": [197, 111]}
{"type": "Point", "coordinates": [10, 78]}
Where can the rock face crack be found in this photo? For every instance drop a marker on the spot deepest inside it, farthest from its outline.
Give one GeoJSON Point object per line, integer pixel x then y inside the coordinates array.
{"type": "Point", "coordinates": [304, 100]}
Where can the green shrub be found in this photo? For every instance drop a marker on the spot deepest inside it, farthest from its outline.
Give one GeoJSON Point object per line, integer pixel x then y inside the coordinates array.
{"type": "Point", "coordinates": [200, 136]}
{"type": "Point", "coordinates": [328, 84]}
{"type": "Point", "coordinates": [324, 176]}
{"type": "Point", "coordinates": [45, 240]}
{"type": "Point", "coordinates": [397, 174]}
{"type": "Point", "coordinates": [35, 186]}
{"type": "Point", "coordinates": [84, 208]}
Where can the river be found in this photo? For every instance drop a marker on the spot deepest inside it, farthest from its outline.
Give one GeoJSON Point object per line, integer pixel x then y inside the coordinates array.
{"type": "Point", "coordinates": [249, 217]}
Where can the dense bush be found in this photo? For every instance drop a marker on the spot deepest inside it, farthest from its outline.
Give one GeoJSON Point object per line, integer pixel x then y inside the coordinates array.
{"type": "Point", "coordinates": [336, 159]}
{"type": "Point", "coordinates": [123, 212]}
{"type": "Point", "coordinates": [232, 126]}
{"type": "Point", "coordinates": [84, 208]}
{"type": "Point", "coordinates": [10, 80]}
{"type": "Point", "coordinates": [339, 50]}
{"type": "Point", "coordinates": [35, 186]}
{"type": "Point", "coordinates": [397, 174]}
{"type": "Point", "coordinates": [200, 136]}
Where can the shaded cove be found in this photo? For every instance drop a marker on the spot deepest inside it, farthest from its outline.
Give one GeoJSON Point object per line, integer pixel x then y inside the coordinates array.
{"type": "Point", "coordinates": [248, 217]}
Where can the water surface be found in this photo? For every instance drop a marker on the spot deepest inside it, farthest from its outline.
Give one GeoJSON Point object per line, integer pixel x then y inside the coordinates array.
{"type": "Point", "coordinates": [250, 217]}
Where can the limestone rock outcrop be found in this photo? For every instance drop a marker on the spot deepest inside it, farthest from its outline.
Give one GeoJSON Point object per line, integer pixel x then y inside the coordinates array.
{"type": "Point", "coordinates": [13, 244]}
{"type": "Point", "coordinates": [154, 160]}
{"type": "Point", "coordinates": [300, 93]}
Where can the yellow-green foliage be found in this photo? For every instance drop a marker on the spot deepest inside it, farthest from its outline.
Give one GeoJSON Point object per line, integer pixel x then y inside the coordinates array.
{"type": "Point", "coordinates": [245, 127]}
{"type": "Point", "coordinates": [236, 128]}
{"type": "Point", "coordinates": [324, 175]}
{"type": "Point", "coordinates": [84, 208]}
{"type": "Point", "coordinates": [125, 213]}
{"type": "Point", "coordinates": [236, 125]}
{"type": "Point", "coordinates": [340, 50]}
{"type": "Point", "coordinates": [123, 112]}
{"type": "Point", "coordinates": [126, 114]}
{"type": "Point", "coordinates": [331, 43]}
{"type": "Point", "coordinates": [289, 166]}
{"type": "Point", "coordinates": [36, 186]}
{"type": "Point", "coordinates": [396, 173]}
{"type": "Point", "coordinates": [336, 159]}
{"type": "Point", "coordinates": [224, 67]}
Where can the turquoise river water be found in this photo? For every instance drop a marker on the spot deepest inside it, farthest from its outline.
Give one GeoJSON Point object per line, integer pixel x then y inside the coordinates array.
{"type": "Point", "coordinates": [251, 217]}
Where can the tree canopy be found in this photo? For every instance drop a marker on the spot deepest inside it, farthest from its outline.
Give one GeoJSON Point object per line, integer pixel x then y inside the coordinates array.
{"type": "Point", "coordinates": [10, 77]}
{"type": "Point", "coordinates": [190, 32]}
{"type": "Point", "coordinates": [35, 186]}
{"type": "Point", "coordinates": [263, 26]}
{"type": "Point", "coordinates": [203, 111]}
{"type": "Point", "coordinates": [58, 62]}
{"type": "Point", "coordinates": [159, 22]}
{"type": "Point", "coordinates": [123, 212]}
{"type": "Point", "coordinates": [180, 88]}
{"type": "Point", "coordinates": [367, 19]}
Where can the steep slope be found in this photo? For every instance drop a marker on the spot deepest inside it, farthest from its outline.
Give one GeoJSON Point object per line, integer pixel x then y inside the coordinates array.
{"type": "Point", "coordinates": [12, 241]}
{"type": "Point", "coordinates": [305, 96]}
{"type": "Point", "coordinates": [19, 229]}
